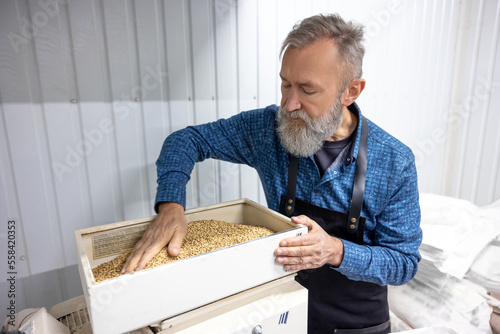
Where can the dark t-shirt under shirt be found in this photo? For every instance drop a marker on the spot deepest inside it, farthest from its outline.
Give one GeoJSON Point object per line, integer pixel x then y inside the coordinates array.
{"type": "Point", "coordinates": [329, 152]}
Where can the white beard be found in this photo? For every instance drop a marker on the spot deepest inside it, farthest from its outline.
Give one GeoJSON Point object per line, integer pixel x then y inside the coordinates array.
{"type": "Point", "coordinates": [305, 139]}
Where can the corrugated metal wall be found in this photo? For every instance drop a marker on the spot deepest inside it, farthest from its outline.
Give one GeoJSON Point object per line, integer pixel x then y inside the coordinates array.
{"type": "Point", "coordinates": [472, 166]}
{"type": "Point", "coordinates": [90, 89]}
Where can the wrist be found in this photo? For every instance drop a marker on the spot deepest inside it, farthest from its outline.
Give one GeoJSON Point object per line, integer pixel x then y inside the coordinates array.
{"type": "Point", "coordinates": [170, 206]}
{"type": "Point", "coordinates": [337, 253]}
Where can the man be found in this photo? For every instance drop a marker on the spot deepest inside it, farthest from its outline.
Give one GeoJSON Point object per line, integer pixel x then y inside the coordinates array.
{"type": "Point", "coordinates": [322, 163]}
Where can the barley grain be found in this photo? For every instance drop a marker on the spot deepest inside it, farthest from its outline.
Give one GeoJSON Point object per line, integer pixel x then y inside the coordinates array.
{"type": "Point", "coordinates": [202, 236]}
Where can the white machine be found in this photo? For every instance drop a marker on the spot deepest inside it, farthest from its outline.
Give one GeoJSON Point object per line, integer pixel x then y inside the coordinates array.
{"type": "Point", "coordinates": [275, 307]}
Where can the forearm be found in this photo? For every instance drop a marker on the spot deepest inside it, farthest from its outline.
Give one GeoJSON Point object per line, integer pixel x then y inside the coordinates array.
{"type": "Point", "coordinates": [174, 166]}
{"type": "Point", "coordinates": [378, 264]}
{"type": "Point", "coordinates": [230, 140]}
{"type": "Point", "coordinates": [171, 188]}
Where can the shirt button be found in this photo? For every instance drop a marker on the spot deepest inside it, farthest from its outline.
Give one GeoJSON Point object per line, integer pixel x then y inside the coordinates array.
{"type": "Point", "coordinates": [335, 172]}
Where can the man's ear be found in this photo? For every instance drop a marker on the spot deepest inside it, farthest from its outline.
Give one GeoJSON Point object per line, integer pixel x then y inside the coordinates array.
{"type": "Point", "coordinates": [352, 91]}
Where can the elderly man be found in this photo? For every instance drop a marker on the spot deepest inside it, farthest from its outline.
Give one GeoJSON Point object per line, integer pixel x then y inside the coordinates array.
{"type": "Point", "coordinates": [323, 164]}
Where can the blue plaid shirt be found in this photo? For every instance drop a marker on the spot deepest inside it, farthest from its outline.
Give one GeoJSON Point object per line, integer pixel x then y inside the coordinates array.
{"type": "Point", "coordinates": [392, 234]}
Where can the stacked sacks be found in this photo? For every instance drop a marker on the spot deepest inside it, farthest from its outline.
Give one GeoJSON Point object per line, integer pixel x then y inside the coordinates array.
{"type": "Point", "coordinates": [460, 264]}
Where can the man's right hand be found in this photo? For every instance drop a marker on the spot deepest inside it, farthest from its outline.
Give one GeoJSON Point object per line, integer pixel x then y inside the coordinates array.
{"type": "Point", "coordinates": [169, 227]}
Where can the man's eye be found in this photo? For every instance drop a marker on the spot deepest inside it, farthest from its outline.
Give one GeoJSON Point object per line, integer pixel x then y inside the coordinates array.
{"type": "Point", "coordinates": [309, 92]}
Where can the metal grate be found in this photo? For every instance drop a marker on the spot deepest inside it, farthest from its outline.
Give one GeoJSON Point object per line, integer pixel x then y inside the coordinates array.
{"type": "Point", "coordinates": [75, 320]}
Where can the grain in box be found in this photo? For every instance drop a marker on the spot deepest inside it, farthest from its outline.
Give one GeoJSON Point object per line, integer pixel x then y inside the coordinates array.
{"type": "Point", "coordinates": [136, 300]}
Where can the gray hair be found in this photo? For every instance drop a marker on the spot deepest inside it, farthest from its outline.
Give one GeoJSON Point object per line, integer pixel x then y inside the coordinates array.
{"type": "Point", "coordinates": [348, 37]}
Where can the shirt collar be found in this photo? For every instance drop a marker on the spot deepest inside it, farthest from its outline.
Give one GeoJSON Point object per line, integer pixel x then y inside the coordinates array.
{"type": "Point", "coordinates": [353, 150]}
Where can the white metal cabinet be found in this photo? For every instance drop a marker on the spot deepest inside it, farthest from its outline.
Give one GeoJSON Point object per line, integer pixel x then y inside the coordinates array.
{"type": "Point", "coordinates": [276, 307]}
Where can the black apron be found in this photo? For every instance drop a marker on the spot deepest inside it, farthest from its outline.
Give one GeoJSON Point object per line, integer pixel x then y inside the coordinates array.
{"type": "Point", "coordinates": [336, 303]}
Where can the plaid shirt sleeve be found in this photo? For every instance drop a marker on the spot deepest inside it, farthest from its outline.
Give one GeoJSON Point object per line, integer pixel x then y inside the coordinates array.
{"type": "Point", "coordinates": [237, 139]}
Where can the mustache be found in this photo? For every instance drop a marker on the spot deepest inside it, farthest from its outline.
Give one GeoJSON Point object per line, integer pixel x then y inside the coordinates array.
{"type": "Point", "coordinates": [296, 114]}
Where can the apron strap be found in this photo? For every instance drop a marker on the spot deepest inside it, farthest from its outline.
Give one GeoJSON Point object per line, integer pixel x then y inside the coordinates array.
{"type": "Point", "coordinates": [358, 188]}
{"type": "Point", "coordinates": [292, 185]}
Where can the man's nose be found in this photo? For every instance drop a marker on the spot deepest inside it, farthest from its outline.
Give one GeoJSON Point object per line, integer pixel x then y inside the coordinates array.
{"type": "Point", "coordinates": [292, 101]}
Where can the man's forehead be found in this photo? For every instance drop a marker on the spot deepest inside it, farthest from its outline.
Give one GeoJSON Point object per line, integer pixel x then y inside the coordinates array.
{"type": "Point", "coordinates": [308, 73]}
{"type": "Point", "coordinates": [323, 44]}
{"type": "Point", "coordinates": [322, 53]}
{"type": "Point", "coordinates": [302, 80]}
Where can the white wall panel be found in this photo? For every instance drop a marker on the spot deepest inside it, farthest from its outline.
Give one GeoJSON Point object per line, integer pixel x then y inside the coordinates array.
{"type": "Point", "coordinates": [203, 65]}
{"type": "Point", "coordinates": [268, 46]}
{"type": "Point", "coordinates": [472, 154]}
{"type": "Point", "coordinates": [90, 89]}
{"type": "Point", "coordinates": [26, 134]}
{"type": "Point", "coordinates": [409, 72]}
{"type": "Point", "coordinates": [63, 129]}
{"type": "Point", "coordinates": [10, 211]}
{"type": "Point", "coordinates": [489, 119]}
{"type": "Point", "coordinates": [226, 62]}
{"type": "Point", "coordinates": [180, 74]}
{"type": "Point", "coordinates": [122, 50]}
{"type": "Point", "coordinates": [248, 78]}
{"type": "Point", "coordinates": [95, 112]}
{"type": "Point", "coordinates": [153, 85]}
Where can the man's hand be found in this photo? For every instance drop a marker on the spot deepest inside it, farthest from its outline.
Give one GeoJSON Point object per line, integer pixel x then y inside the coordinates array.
{"type": "Point", "coordinates": [169, 227]}
{"type": "Point", "coordinates": [311, 250]}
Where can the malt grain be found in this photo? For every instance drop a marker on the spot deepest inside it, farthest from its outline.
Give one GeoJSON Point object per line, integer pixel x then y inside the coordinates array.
{"type": "Point", "coordinates": [202, 236]}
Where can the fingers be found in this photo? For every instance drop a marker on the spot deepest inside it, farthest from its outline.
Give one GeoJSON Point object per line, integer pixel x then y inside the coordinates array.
{"type": "Point", "coordinates": [169, 228]}
{"type": "Point", "coordinates": [303, 240]}
{"type": "Point", "coordinates": [294, 251]}
{"type": "Point", "coordinates": [141, 254]}
{"type": "Point", "coordinates": [147, 255]}
{"type": "Point", "coordinates": [174, 246]}
{"type": "Point", "coordinates": [304, 220]}
{"type": "Point", "coordinates": [144, 251]}
{"type": "Point", "coordinates": [311, 250]}
{"type": "Point", "coordinates": [296, 257]}
{"type": "Point", "coordinates": [298, 262]}
{"type": "Point", "coordinates": [133, 259]}
{"type": "Point", "coordinates": [306, 239]}
{"type": "Point", "coordinates": [130, 264]}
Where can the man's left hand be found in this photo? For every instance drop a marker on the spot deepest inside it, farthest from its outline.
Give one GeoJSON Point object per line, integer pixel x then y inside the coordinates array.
{"type": "Point", "coordinates": [311, 250]}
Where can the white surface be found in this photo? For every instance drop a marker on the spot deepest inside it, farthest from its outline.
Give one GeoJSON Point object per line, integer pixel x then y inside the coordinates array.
{"type": "Point", "coordinates": [432, 330]}
{"type": "Point", "coordinates": [474, 117]}
{"type": "Point", "coordinates": [459, 305]}
{"type": "Point", "coordinates": [278, 307]}
{"type": "Point", "coordinates": [457, 240]}
{"type": "Point", "coordinates": [485, 270]}
{"type": "Point", "coordinates": [397, 324]}
{"type": "Point", "coordinates": [36, 321]}
{"type": "Point", "coordinates": [455, 231]}
{"type": "Point", "coordinates": [135, 300]}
